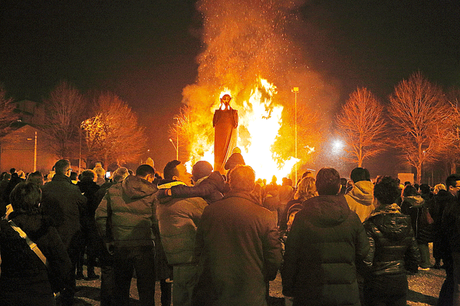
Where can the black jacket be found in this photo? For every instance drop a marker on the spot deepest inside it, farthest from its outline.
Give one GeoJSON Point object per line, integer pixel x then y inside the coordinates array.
{"type": "Point", "coordinates": [22, 269]}
{"type": "Point", "coordinates": [326, 239]}
{"type": "Point", "coordinates": [391, 238]}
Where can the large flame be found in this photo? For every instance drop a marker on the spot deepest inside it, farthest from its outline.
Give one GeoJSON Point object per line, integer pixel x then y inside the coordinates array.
{"type": "Point", "coordinates": [259, 124]}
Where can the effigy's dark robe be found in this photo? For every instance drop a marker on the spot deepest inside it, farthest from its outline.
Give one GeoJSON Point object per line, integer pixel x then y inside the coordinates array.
{"type": "Point", "coordinates": [225, 123]}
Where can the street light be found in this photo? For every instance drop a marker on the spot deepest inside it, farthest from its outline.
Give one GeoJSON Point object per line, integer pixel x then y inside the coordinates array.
{"type": "Point", "coordinates": [295, 90]}
{"type": "Point", "coordinates": [175, 147]}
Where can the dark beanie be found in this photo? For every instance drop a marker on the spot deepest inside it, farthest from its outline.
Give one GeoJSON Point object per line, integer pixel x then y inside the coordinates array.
{"type": "Point", "coordinates": [201, 169]}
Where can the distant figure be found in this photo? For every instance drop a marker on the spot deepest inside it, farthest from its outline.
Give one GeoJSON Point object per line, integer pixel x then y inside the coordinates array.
{"type": "Point", "coordinates": [35, 177]}
{"type": "Point", "coordinates": [235, 159]}
{"type": "Point", "coordinates": [100, 172]}
{"type": "Point", "coordinates": [360, 198]}
{"type": "Point", "coordinates": [416, 207]}
{"type": "Point", "coordinates": [91, 239]}
{"type": "Point", "coordinates": [325, 241]}
{"type": "Point", "coordinates": [225, 122]}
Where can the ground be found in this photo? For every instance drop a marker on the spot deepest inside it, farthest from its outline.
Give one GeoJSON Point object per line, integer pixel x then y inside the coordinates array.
{"type": "Point", "coordinates": [424, 289]}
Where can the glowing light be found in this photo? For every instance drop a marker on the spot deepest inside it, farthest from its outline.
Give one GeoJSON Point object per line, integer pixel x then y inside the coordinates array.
{"type": "Point", "coordinates": [261, 117]}
{"type": "Point", "coordinates": [337, 146]}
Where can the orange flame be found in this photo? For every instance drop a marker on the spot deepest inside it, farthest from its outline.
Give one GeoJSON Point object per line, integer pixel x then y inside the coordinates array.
{"type": "Point", "coordinates": [259, 123]}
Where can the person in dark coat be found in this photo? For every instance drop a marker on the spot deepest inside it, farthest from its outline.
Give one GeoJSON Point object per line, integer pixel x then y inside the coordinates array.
{"type": "Point", "coordinates": [450, 243]}
{"type": "Point", "coordinates": [25, 280]}
{"type": "Point", "coordinates": [325, 240]}
{"type": "Point", "coordinates": [106, 249]}
{"type": "Point", "coordinates": [237, 247]}
{"type": "Point", "coordinates": [126, 217]}
{"type": "Point", "coordinates": [64, 202]}
{"type": "Point", "coordinates": [393, 248]}
{"type": "Point", "coordinates": [91, 241]}
{"type": "Point", "coordinates": [441, 197]}
{"type": "Point", "coordinates": [416, 207]}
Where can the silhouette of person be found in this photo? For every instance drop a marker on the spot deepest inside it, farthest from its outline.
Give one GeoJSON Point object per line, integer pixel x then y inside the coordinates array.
{"type": "Point", "coordinates": [225, 122]}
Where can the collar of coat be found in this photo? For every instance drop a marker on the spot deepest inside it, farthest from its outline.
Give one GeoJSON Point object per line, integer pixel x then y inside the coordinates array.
{"type": "Point", "coordinates": [243, 194]}
{"type": "Point", "coordinates": [386, 209]}
{"type": "Point", "coordinates": [171, 184]}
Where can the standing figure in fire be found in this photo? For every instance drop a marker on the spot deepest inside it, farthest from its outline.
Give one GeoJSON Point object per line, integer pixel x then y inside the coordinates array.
{"type": "Point", "coordinates": [225, 122]}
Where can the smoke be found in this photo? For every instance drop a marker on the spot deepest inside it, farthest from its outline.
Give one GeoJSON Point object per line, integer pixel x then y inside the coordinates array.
{"type": "Point", "coordinates": [244, 40]}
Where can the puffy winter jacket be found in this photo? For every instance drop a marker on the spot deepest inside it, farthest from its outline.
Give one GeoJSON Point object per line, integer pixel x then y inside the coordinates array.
{"type": "Point", "coordinates": [325, 241]}
{"type": "Point", "coordinates": [178, 220]}
{"type": "Point", "coordinates": [391, 238]}
{"type": "Point", "coordinates": [129, 210]}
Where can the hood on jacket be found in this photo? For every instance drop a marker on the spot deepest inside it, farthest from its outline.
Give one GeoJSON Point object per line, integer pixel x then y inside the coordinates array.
{"type": "Point", "coordinates": [414, 200]}
{"type": "Point", "coordinates": [327, 210]}
{"type": "Point", "coordinates": [362, 192]}
{"type": "Point", "coordinates": [135, 187]}
{"type": "Point", "coordinates": [393, 228]}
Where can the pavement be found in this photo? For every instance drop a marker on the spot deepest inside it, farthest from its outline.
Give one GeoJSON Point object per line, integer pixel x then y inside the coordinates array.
{"type": "Point", "coordinates": [424, 288]}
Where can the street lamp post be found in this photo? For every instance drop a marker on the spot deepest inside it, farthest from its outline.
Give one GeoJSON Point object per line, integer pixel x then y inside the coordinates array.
{"type": "Point", "coordinates": [295, 90]}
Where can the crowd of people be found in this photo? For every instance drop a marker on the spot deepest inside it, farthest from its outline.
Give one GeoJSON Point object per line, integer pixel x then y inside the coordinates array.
{"type": "Point", "coordinates": [219, 239]}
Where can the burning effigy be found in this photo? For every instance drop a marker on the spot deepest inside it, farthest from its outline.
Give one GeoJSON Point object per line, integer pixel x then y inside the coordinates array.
{"type": "Point", "coordinates": [246, 53]}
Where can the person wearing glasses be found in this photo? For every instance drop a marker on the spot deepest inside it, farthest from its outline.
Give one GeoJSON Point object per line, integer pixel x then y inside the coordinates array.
{"type": "Point", "coordinates": [63, 201]}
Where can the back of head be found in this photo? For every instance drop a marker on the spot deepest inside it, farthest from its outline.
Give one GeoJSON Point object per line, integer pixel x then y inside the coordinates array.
{"type": "Point", "coordinates": [88, 174]}
{"type": "Point", "coordinates": [6, 176]}
{"type": "Point", "coordinates": [120, 174]}
{"type": "Point", "coordinates": [61, 166]}
{"type": "Point", "coordinates": [25, 197]}
{"type": "Point", "coordinates": [438, 187]}
{"type": "Point", "coordinates": [144, 170]}
{"type": "Point", "coordinates": [451, 180]}
{"type": "Point", "coordinates": [306, 189]}
{"type": "Point", "coordinates": [242, 178]}
{"type": "Point", "coordinates": [201, 169]}
{"type": "Point", "coordinates": [425, 188]}
{"type": "Point", "coordinates": [170, 169]}
{"type": "Point", "coordinates": [409, 191]}
{"type": "Point", "coordinates": [328, 181]}
{"type": "Point", "coordinates": [387, 190]}
{"type": "Point", "coordinates": [36, 178]}
{"type": "Point", "coordinates": [360, 174]}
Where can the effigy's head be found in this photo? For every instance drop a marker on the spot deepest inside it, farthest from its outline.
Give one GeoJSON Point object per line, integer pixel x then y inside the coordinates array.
{"type": "Point", "coordinates": [226, 99]}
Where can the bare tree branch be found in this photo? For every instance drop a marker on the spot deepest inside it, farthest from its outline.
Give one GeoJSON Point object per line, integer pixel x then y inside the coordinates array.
{"type": "Point", "coordinates": [420, 115]}
{"type": "Point", "coordinates": [362, 126]}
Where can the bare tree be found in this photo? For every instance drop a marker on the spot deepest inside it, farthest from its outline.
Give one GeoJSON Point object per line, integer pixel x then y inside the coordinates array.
{"type": "Point", "coordinates": [452, 154]}
{"type": "Point", "coordinates": [362, 126]}
{"type": "Point", "coordinates": [113, 135]}
{"type": "Point", "coordinates": [7, 114]}
{"type": "Point", "coordinates": [66, 108]}
{"type": "Point", "coordinates": [420, 113]}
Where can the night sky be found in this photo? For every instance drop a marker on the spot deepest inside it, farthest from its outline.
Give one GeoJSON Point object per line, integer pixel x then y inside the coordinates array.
{"type": "Point", "coordinates": [145, 51]}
